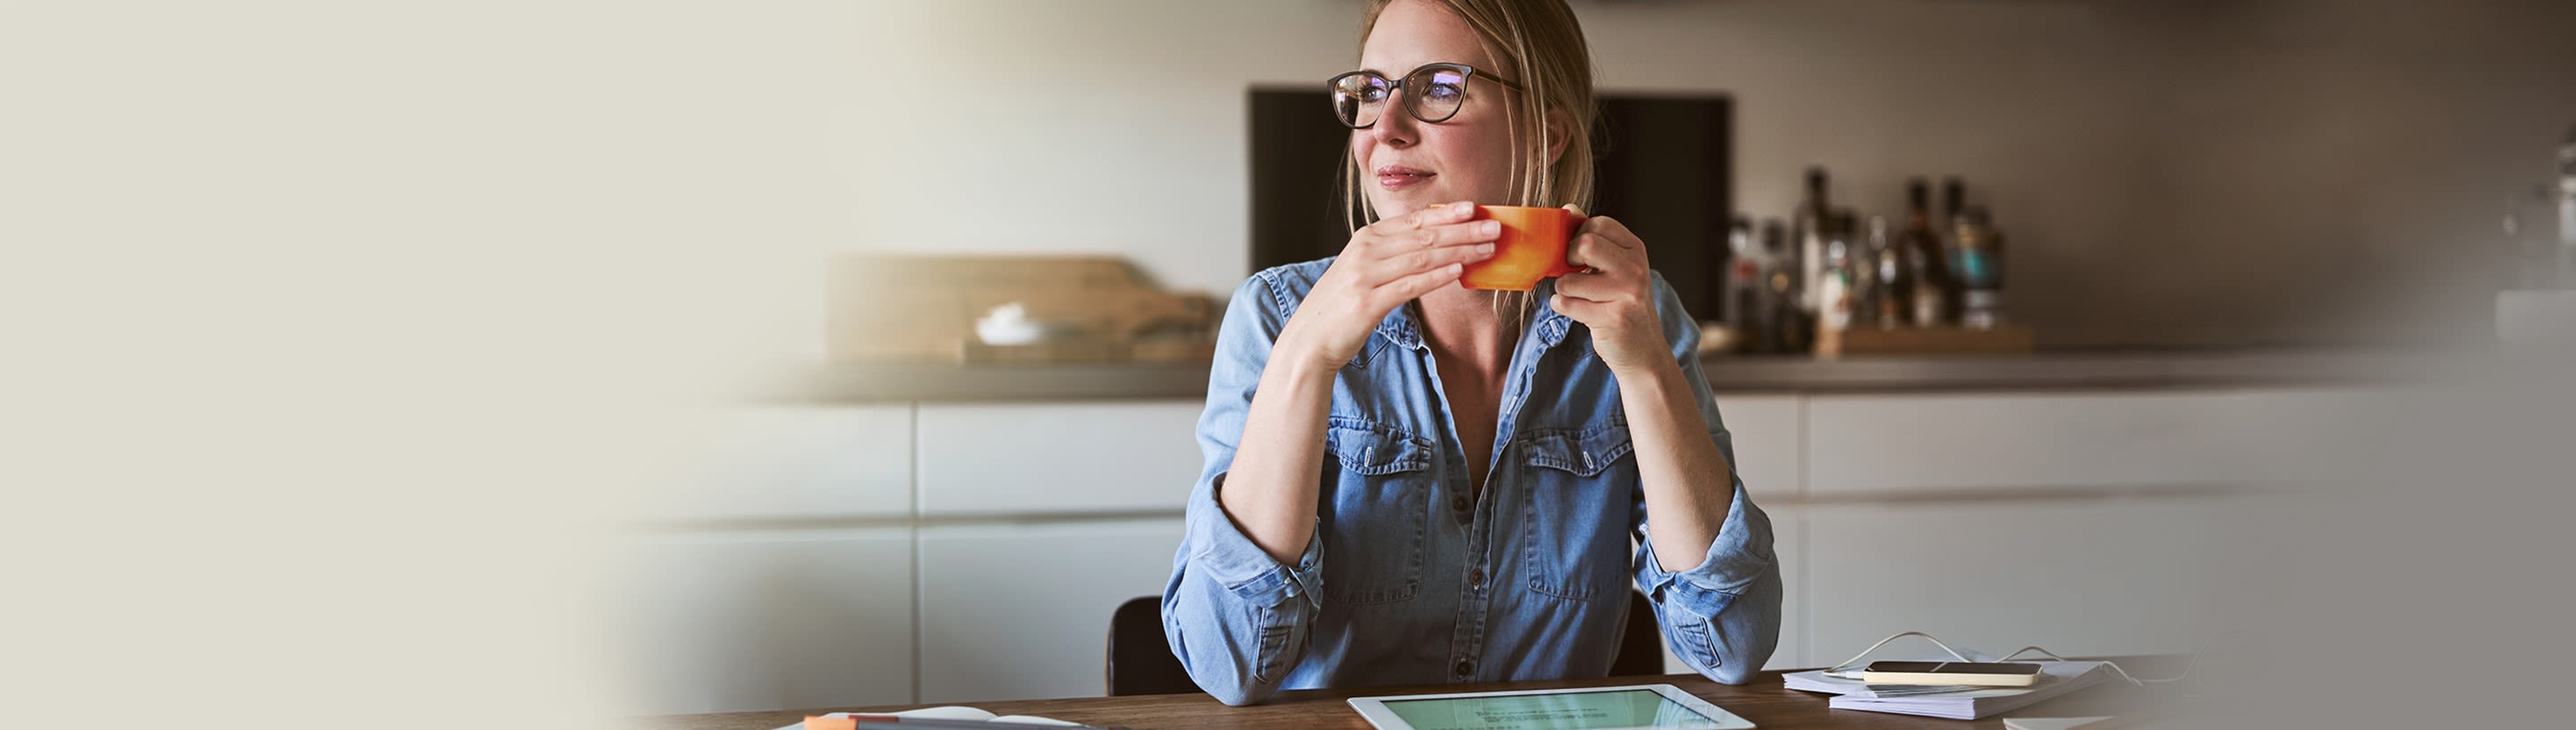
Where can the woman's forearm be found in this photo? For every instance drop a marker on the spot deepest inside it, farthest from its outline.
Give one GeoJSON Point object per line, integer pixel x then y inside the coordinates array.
{"type": "Point", "coordinates": [1271, 489]}
{"type": "Point", "coordinates": [1687, 482]}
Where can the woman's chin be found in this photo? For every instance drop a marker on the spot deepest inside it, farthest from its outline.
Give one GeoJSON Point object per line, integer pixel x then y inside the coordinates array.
{"type": "Point", "coordinates": [1405, 203]}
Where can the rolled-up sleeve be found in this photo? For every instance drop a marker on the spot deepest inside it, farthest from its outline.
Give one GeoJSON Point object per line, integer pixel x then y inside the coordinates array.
{"type": "Point", "coordinates": [1721, 616]}
{"type": "Point", "coordinates": [1235, 616]}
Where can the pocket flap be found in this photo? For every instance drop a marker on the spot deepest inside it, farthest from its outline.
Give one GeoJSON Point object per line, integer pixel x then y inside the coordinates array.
{"type": "Point", "coordinates": [1585, 452]}
{"type": "Point", "coordinates": [1368, 448]}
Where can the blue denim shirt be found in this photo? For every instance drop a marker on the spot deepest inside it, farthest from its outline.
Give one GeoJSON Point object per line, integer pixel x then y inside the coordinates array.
{"type": "Point", "coordinates": [1408, 578]}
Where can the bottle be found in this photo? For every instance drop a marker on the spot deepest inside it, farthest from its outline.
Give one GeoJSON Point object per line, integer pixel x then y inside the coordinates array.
{"type": "Point", "coordinates": [1933, 288]}
{"type": "Point", "coordinates": [1834, 289]}
{"type": "Point", "coordinates": [1777, 309]}
{"type": "Point", "coordinates": [1791, 328]}
{"type": "Point", "coordinates": [1807, 233]}
{"type": "Point", "coordinates": [1891, 288]}
{"type": "Point", "coordinates": [1740, 290]}
{"type": "Point", "coordinates": [1979, 271]}
{"type": "Point", "coordinates": [1954, 209]}
{"type": "Point", "coordinates": [2567, 210]}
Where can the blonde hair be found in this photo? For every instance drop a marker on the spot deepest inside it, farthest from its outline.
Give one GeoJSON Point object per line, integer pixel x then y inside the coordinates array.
{"type": "Point", "coordinates": [1540, 46]}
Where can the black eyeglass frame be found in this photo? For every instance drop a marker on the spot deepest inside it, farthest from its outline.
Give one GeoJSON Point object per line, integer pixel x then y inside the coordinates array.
{"type": "Point", "coordinates": [1466, 76]}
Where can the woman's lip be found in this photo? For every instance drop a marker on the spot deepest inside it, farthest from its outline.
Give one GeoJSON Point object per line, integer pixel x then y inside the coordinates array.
{"type": "Point", "coordinates": [1391, 178]}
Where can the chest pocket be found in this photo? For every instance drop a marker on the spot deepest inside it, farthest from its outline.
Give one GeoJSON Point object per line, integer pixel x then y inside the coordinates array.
{"type": "Point", "coordinates": [1376, 505]}
{"type": "Point", "coordinates": [1575, 525]}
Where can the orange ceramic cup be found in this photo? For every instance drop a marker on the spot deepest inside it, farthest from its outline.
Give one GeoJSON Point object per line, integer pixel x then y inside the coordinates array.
{"type": "Point", "coordinates": [1532, 247]}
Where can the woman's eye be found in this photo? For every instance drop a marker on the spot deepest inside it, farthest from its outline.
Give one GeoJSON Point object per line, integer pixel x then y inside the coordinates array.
{"type": "Point", "coordinates": [1446, 92]}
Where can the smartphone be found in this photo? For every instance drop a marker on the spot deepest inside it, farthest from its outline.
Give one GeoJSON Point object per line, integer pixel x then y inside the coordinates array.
{"type": "Point", "coordinates": [1974, 674]}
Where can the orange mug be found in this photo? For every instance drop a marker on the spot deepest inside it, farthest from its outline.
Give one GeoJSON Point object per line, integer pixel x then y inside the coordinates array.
{"type": "Point", "coordinates": [1531, 248]}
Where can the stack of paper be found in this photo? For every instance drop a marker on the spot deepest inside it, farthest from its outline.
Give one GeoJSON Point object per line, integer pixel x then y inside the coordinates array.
{"type": "Point", "coordinates": [1957, 703]}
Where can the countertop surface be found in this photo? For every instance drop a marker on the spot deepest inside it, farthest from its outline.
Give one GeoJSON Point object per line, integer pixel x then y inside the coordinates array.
{"type": "Point", "coordinates": [2065, 370]}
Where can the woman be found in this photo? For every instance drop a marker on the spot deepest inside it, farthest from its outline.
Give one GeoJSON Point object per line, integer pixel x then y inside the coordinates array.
{"type": "Point", "coordinates": [1409, 482]}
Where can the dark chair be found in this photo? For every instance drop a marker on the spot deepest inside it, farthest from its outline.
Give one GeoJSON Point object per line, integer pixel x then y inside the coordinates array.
{"type": "Point", "coordinates": [1141, 661]}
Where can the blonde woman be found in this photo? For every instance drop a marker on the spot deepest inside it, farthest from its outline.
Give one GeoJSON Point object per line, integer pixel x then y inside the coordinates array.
{"type": "Point", "coordinates": [1410, 482]}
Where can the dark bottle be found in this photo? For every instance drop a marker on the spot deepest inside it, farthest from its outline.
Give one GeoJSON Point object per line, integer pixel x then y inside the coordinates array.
{"type": "Point", "coordinates": [1741, 286]}
{"type": "Point", "coordinates": [1807, 233]}
{"type": "Point", "coordinates": [1953, 228]}
{"type": "Point", "coordinates": [1979, 265]}
{"type": "Point", "coordinates": [1925, 260]}
{"type": "Point", "coordinates": [2567, 211]}
{"type": "Point", "coordinates": [1891, 286]}
{"type": "Point", "coordinates": [1783, 327]}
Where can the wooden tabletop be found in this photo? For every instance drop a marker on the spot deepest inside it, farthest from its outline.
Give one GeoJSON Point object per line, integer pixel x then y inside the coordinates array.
{"type": "Point", "coordinates": [1766, 702]}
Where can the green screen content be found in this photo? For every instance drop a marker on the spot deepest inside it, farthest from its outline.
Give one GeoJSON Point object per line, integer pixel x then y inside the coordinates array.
{"type": "Point", "coordinates": [1569, 711]}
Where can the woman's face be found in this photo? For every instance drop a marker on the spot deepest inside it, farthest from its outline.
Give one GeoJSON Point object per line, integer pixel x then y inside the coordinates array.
{"type": "Point", "coordinates": [1406, 164]}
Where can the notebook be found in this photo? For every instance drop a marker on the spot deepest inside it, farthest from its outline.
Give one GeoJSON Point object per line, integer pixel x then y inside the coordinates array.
{"type": "Point", "coordinates": [1957, 703]}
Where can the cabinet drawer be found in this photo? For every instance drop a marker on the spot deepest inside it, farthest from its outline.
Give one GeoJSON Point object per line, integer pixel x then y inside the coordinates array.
{"type": "Point", "coordinates": [1062, 458]}
{"type": "Point", "coordinates": [1991, 441]}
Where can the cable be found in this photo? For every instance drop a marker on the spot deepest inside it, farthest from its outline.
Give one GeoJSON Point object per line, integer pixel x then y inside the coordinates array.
{"type": "Point", "coordinates": [2115, 666]}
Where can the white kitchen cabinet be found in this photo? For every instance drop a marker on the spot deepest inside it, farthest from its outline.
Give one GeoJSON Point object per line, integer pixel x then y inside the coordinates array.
{"type": "Point", "coordinates": [1890, 444]}
{"type": "Point", "coordinates": [794, 462]}
{"type": "Point", "coordinates": [1022, 611]}
{"type": "Point", "coordinates": [2130, 575]}
{"type": "Point", "coordinates": [1766, 430]}
{"type": "Point", "coordinates": [765, 619]}
{"type": "Point", "coordinates": [1062, 458]}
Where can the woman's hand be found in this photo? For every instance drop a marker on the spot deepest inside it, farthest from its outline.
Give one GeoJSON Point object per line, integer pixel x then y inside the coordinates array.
{"type": "Point", "coordinates": [1386, 264]}
{"type": "Point", "coordinates": [1615, 299]}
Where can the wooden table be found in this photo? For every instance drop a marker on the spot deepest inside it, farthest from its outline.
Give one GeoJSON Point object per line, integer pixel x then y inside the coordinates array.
{"type": "Point", "coordinates": [1766, 702]}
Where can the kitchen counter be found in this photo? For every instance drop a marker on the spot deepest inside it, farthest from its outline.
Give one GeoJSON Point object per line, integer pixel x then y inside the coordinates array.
{"type": "Point", "coordinates": [2085, 369]}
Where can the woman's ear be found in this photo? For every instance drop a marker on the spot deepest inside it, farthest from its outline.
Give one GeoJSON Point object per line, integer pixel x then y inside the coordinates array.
{"type": "Point", "coordinates": [1560, 129]}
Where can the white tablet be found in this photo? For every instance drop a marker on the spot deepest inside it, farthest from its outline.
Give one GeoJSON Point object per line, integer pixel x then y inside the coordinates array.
{"type": "Point", "coordinates": [1637, 707]}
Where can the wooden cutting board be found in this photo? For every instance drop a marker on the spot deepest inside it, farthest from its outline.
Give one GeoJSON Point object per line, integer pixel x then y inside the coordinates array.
{"type": "Point", "coordinates": [1097, 309]}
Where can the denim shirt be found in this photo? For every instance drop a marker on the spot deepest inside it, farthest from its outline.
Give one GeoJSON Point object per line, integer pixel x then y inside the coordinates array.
{"type": "Point", "coordinates": [1412, 576]}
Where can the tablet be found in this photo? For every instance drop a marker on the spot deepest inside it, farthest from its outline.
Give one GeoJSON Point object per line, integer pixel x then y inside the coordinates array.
{"type": "Point", "coordinates": [1637, 707]}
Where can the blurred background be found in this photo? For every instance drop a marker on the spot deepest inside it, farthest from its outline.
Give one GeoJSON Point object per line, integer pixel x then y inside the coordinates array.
{"type": "Point", "coordinates": [599, 359]}
{"type": "Point", "coordinates": [2234, 232]}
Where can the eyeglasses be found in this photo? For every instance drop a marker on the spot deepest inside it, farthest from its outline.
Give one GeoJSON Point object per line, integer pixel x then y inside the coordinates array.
{"type": "Point", "coordinates": [1436, 91]}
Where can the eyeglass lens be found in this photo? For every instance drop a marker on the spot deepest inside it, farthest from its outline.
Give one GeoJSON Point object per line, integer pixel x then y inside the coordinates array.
{"type": "Point", "coordinates": [1432, 94]}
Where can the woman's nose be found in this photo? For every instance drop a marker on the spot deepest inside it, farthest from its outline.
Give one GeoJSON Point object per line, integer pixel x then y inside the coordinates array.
{"type": "Point", "coordinates": [1395, 124]}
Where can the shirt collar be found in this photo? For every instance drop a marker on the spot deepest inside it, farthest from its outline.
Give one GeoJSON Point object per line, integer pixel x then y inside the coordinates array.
{"type": "Point", "coordinates": [1404, 325]}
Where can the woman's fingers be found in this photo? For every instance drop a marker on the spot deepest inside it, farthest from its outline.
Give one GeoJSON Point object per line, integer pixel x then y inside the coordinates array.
{"type": "Point", "coordinates": [1424, 218]}
{"type": "Point", "coordinates": [1413, 286]}
{"type": "Point", "coordinates": [1588, 287]}
{"type": "Point", "coordinates": [1445, 234]}
{"type": "Point", "coordinates": [1613, 232]}
{"type": "Point", "coordinates": [1602, 254]}
{"type": "Point", "coordinates": [1578, 309]}
{"type": "Point", "coordinates": [1433, 258]}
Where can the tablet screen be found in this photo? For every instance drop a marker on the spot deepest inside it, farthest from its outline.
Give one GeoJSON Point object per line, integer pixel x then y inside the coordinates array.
{"type": "Point", "coordinates": [1565, 711]}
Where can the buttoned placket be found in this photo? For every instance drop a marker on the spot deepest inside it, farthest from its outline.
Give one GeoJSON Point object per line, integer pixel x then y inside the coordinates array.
{"type": "Point", "coordinates": [1478, 515]}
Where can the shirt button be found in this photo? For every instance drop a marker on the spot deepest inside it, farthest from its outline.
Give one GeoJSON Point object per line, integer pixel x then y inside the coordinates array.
{"type": "Point", "coordinates": [1459, 503]}
{"type": "Point", "coordinates": [1476, 578]}
{"type": "Point", "coordinates": [1466, 667]}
